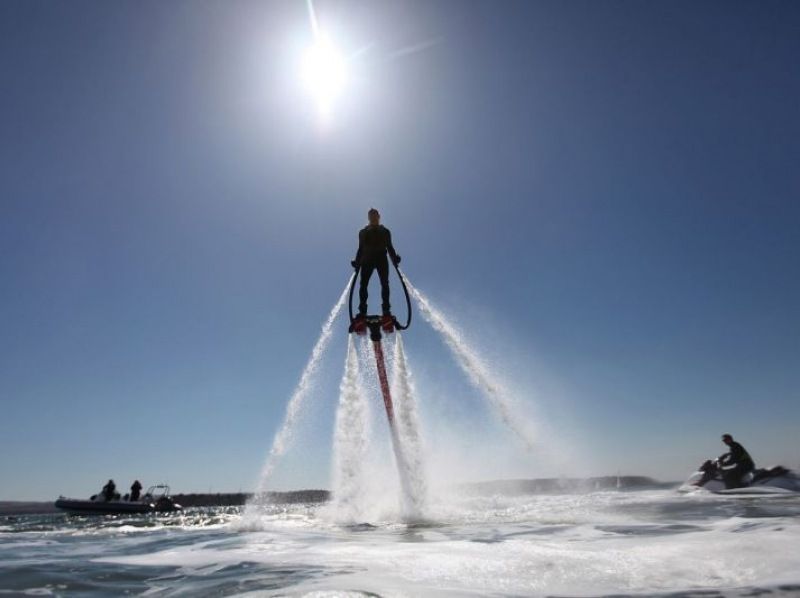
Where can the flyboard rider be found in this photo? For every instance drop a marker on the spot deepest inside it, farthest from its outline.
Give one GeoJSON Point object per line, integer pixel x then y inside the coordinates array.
{"type": "Point", "coordinates": [374, 241]}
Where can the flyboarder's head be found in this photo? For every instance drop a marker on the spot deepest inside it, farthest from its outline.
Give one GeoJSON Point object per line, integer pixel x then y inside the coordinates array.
{"type": "Point", "coordinates": [374, 216]}
{"type": "Point", "coordinates": [727, 439]}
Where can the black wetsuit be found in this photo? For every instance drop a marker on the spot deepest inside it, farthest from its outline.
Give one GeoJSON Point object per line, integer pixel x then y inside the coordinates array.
{"type": "Point", "coordinates": [136, 490]}
{"type": "Point", "coordinates": [735, 464]}
{"type": "Point", "coordinates": [373, 243]}
{"type": "Point", "coordinates": [109, 490]}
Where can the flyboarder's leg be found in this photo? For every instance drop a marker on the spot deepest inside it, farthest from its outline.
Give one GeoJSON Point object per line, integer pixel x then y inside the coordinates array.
{"type": "Point", "coordinates": [383, 274]}
{"type": "Point", "coordinates": [363, 292]}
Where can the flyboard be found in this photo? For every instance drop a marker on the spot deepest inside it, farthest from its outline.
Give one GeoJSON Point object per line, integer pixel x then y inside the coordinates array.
{"type": "Point", "coordinates": [377, 327]}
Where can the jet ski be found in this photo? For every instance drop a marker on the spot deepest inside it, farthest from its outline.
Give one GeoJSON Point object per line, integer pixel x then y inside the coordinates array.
{"type": "Point", "coordinates": [772, 480]}
{"type": "Point", "coordinates": [155, 500]}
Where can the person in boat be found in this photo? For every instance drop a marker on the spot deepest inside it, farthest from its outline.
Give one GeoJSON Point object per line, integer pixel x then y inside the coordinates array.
{"type": "Point", "coordinates": [374, 241]}
{"type": "Point", "coordinates": [136, 490]}
{"type": "Point", "coordinates": [734, 464]}
{"type": "Point", "coordinates": [109, 490]}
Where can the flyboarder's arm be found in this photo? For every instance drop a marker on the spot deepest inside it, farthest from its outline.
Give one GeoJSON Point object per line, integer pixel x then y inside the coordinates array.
{"type": "Point", "coordinates": [390, 247]}
{"type": "Point", "coordinates": [357, 261]}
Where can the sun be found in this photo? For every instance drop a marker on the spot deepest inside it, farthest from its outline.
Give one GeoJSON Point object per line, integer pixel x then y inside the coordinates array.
{"type": "Point", "coordinates": [324, 72]}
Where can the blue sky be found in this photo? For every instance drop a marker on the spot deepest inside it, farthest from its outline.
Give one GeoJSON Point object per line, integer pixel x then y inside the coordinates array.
{"type": "Point", "coordinates": [604, 193]}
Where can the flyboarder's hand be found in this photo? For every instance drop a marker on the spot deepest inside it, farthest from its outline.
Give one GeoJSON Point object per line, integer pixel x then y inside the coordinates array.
{"type": "Point", "coordinates": [354, 264]}
{"type": "Point", "coordinates": [397, 260]}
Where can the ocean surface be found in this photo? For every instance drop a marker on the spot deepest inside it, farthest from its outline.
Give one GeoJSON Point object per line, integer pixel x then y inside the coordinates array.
{"type": "Point", "coordinates": [609, 543]}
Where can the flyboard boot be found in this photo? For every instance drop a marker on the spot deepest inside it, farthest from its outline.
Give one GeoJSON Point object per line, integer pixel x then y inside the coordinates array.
{"type": "Point", "coordinates": [387, 323]}
{"type": "Point", "coordinates": [359, 325]}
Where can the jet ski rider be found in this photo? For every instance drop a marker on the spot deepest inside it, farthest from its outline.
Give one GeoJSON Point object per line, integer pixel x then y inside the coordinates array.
{"type": "Point", "coordinates": [734, 464]}
{"type": "Point", "coordinates": [374, 241]}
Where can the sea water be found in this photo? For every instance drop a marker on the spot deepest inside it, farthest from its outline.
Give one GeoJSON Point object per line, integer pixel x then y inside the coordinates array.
{"type": "Point", "coordinates": [642, 541]}
{"type": "Point", "coordinates": [621, 543]}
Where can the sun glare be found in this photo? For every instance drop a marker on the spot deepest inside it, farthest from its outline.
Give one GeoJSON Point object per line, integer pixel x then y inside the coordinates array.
{"type": "Point", "coordinates": [324, 73]}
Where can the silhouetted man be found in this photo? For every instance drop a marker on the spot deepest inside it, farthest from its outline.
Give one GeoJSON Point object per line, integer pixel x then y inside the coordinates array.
{"type": "Point", "coordinates": [374, 241]}
{"type": "Point", "coordinates": [136, 490]}
{"type": "Point", "coordinates": [735, 464]}
{"type": "Point", "coordinates": [109, 490]}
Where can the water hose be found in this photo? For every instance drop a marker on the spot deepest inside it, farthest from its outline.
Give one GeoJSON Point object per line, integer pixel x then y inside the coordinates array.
{"type": "Point", "coordinates": [397, 324]}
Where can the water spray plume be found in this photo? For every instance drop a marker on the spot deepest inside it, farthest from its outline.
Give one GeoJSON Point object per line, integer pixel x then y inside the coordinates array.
{"type": "Point", "coordinates": [397, 446]}
{"type": "Point", "coordinates": [409, 429]}
{"type": "Point", "coordinates": [295, 407]}
{"type": "Point", "coordinates": [474, 368]}
{"type": "Point", "coordinates": [349, 442]}
{"type": "Point", "coordinates": [312, 17]}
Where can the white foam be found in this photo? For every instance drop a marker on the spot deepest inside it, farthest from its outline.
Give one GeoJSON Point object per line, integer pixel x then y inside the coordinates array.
{"type": "Point", "coordinates": [529, 545]}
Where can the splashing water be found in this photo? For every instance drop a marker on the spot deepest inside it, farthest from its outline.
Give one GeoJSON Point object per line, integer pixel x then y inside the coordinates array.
{"type": "Point", "coordinates": [304, 387]}
{"type": "Point", "coordinates": [351, 451]}
{"type": "Point", "coordinates": [406, 493]}
{"type": "Point", "coordinates": [475, 369]}
{"type": "Point", "coordinates": [375, 486]}
{"type": "Point", "coordinates": [350, 441]}
{"type": "Point", "coordinates": [408, 427]}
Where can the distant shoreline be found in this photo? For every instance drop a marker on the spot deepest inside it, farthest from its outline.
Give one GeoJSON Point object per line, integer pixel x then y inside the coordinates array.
{"type": "Point", "coordinates": [506, 487]}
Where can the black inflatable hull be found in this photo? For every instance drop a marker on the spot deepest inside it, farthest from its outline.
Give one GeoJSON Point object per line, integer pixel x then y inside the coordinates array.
{"type": "Point", "coordinates": [112, 507]}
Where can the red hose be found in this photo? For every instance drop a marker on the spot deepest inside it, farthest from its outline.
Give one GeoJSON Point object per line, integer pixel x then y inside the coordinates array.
{"type": "Point", "coordinates": [387, 396]}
